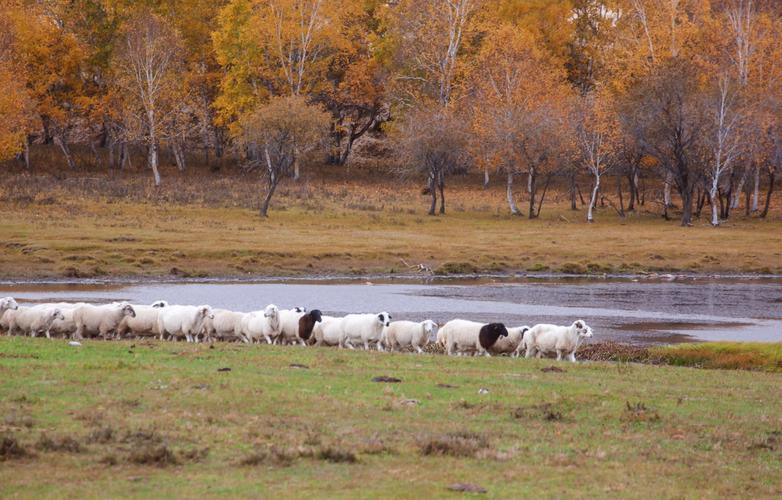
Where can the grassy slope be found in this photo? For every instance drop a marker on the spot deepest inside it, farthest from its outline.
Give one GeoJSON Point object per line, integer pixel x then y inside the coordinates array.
{"type": "Point", "coordinates": [93, 238]}
{"type": "Point", "coordinates": [717, 433]}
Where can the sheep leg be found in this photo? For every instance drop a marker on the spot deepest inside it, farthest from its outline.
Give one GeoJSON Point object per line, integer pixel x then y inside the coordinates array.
{"type": "Point", "coordinates": [530, 352]}
{"type": "Point", "coordinates": [420, 351]}
{"type": "Point", "coordinates": [572, 357]}
{"type": "Point", "coordinates": [559, 355]}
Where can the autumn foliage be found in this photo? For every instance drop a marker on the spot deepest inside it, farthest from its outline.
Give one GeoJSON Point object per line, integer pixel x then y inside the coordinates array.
{"type": "Point", "coordinates": [682, 95]}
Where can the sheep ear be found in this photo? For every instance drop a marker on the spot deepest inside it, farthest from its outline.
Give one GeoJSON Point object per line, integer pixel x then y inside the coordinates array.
{"type": "Point", "coordinates": [579, 325]}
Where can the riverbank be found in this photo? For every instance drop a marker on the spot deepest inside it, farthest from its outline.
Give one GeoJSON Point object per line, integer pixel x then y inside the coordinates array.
{"type": "Point", "coordinates": [159, 418]}
{"type": "Point", "coordinates": [108, 238]}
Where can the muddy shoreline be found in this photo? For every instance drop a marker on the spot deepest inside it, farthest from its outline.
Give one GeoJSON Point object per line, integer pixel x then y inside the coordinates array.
{"type": "Point", "coordinates": [479, 278]}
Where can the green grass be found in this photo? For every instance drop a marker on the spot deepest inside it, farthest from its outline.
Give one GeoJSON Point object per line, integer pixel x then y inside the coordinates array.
{"type": "Point", "coordinates": [595, 429]}
{"type": "Point", "coordinates": [724, 355]}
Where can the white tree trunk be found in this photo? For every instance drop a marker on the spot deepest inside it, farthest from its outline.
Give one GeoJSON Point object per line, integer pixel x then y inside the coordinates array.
{"type": "Point", "coordinates": [667, 189]}
{"type": "Point", "coordinates": [152, 152]}
{"type": "Point", "coordinates": [485, 177]}
{"type": "Point", "coordinates": [714, 202]}
{"type": "Point", "coordinates": [153, 162]}
{"type": "Point", "coordinates": [511, 202]}
{"type": "Point", "coordinates": [593, 198]}
{"type": "Point", "coordinates": [756, 190]}
{"type": "Point", "coordinates": [734, 203]}
{"type": "Point", "coordinates": [179, 156]}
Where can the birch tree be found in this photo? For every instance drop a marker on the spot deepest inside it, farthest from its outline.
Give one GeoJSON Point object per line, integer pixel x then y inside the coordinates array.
{"type": "Point", "coordinates": [516, 112]}
{"type": "Point", "coordinates": [147, 63]}
{"type": "Point", "coordinates": [596, 128]}
{"type": "Point", "coordinates": [429, 36]}
{"type": "Point", "coordinates": [279, 133]}
{"type": "Point", "coordinates": [724, 146]}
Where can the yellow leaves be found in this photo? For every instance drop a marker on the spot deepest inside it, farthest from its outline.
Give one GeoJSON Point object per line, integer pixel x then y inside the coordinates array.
{"type": "Point", "coordinates": [16, 112]}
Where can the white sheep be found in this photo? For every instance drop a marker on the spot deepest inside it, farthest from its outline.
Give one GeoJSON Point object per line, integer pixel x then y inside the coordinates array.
{"type": "Point", "coordinates": [409, 333]}
{"type": "Point", "coordinates": [440, 337]}
{"type": "Point", "coordinates": [364, 329]}
{"type": "Point", "coordinates": [509, 344]}
{"type": "Point", "coordinates": [225, 325]}
{"type": "Point", "coordinates": [144, 323]}
{"type": "Point", "coordinates": [564, 340]}
{"type": "Point", "coordinates": [183, 321]}
{"type": "Point", "coordinates": [32, 320]}
{"type": "Point", "coordinates": [6, 304]}
{"type": "Point", "coordinates": [100, 320]}
{"type": "Point", "coordinates": [327, 332]}
{"type": "Point", "coordinates": [463, 337]}
{"type": "Point", "coordinates": [66, 326]}
{"type": "Point", "coordinates": [261, 324]}
{"type": "Point", "coordinates": [289, 325]}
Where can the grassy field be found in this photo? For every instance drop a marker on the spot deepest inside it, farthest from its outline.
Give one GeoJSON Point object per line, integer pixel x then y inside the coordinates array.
{"type": "Point", "coordinates": [206, 225]}
{"type": "Point", "coordinates": [121, 418]}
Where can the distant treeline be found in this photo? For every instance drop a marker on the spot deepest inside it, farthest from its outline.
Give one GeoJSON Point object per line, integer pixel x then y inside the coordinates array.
{"type": "Point", "coordinates": [685, 91]}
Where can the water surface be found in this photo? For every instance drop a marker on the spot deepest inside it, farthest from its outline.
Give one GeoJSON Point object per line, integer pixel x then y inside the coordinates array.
{"type": "Point", "coordinates": [639, 311]}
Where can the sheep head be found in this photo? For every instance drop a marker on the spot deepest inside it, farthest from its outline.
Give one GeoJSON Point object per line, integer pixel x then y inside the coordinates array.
{"type": "Point", "coordinates": [384, 318]}
{"type": "Point", "coordinates": [489, 334]}
{"type": "Point", "coordinates": [127, 310]}
{"type": "Point", "coordinates": [582, 329]}
{"type": "Point", "coordinates": [8, 303]}
{"type": "Point", "coordinates": [316, 315]}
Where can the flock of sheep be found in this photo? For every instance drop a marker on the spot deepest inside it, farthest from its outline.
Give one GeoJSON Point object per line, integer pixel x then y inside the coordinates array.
{"type": "Point", "coordinates": [287, 326]}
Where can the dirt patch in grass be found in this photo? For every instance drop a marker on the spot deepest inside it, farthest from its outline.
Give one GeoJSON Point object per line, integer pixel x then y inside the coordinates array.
{"type": "Point", "coordinates": [101, 435]}
{"type": "Point", "coordinates": [285, 456]}
{"type": "Point", "coordinates": [19, 420]}
{"type": "Point", "coordinates": [65, 444]}
{"type": "Point", "coordinates": [455, 444]}
{"type": "Point", "coordinates": [159, 455]}
{"type": "Point", "coordinates": [639, 412]}
{"type": "Point", "coordinates": [546, 411]}
{"type": "Point", "coordinates": [336, 454]}
{"type": "Point", "coordinates": [617, 351]}
{"type": "Point", "coordinates": [11, 449]}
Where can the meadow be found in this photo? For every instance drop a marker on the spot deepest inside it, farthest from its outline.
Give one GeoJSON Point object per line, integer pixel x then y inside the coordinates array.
{"type": "Point", "coordinates": [134, 418]}
{"type": "Point", "coordinates": [343, 222]}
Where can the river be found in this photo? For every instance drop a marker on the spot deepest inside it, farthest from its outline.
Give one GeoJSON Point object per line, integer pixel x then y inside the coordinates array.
{"type": "Point", "coordinates": [645, 311]}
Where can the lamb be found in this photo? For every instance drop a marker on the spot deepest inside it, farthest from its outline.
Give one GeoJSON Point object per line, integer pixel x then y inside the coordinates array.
{"type": "Point", "coordinates": [225, 325]}
{"type": "Point", "coordinates": [289, 325]}
{"type": "Point", "coordinates": [307, 324]}
{"type": "Point", "coordinates": [183, 321]}
{"type": "Point", "coordinates": [564, 340]}
{"type": "Point", "coordinates": [462, 336]}
{"type": "Point", "coordinates": [328, 332]}
{"type": "Point", "coordinates": [32, 319]}
{"type": "Point", "coordinates": [509, 345]}
{"type": "Point", "coordinates": [100, 320]}
{"type": "Point", "coordinates": [144, 323]}
{"type": "Point", "coordinates": [409, 333]}
{"type": "Point", "coordinates": [364, 328]}
{"type": "Point", "coordinates": [261, 324]}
